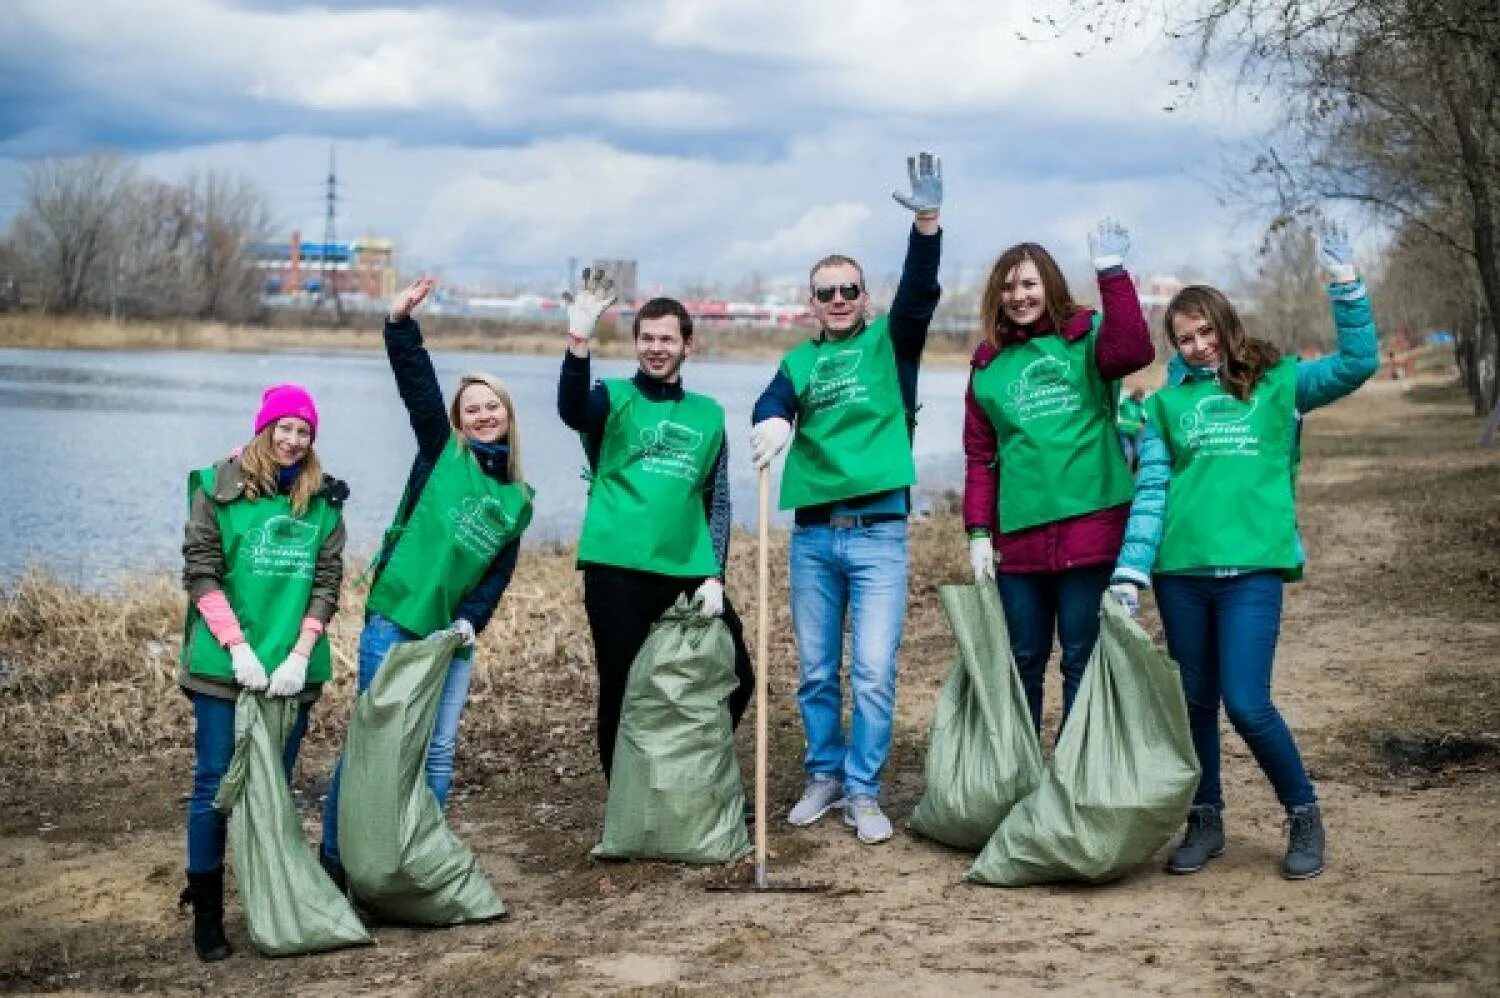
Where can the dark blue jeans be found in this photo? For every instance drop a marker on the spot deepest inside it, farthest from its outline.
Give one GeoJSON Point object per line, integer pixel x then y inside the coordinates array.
{"type": "Point", "coordinates": [213, 740]}
{"type": "Point", "coordinates": [1223, 633]}
{"type": "Point", "coordinates": [1039, 604]}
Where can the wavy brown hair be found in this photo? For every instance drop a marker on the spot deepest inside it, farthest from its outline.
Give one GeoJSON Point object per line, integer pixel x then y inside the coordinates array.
{"type": "Point", "coordinates": [1059, 306]}
{"type": "Point", "coordinates": [1244, 359]}
{"type": "Point", "coordinates": [258, 464]}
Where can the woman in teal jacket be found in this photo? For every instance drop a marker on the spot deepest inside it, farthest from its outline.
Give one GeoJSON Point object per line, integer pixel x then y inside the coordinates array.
{"type": "Point", "coordinates": [1213, 526]}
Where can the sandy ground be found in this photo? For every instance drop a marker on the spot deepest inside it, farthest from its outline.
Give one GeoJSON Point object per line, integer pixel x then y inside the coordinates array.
{"type": "Point", "coordinates": [1393, 636]}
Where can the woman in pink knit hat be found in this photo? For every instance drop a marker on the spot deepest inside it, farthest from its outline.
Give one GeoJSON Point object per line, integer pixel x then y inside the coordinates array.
{"type": "Point", "coordinates": [263, 562]}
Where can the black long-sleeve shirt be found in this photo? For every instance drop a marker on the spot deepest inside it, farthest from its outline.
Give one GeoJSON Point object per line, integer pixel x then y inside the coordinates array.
{"type": "Point", "coordinates": [417, 382]}
{"type": "Point", "coordinates": [583, 405]}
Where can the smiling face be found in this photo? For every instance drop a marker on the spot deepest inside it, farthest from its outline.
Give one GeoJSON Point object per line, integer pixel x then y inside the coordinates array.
{"type": "Point", "coordinates": [1196, 339]}
{"type": "Point", "coordinates": [291, 438]}
{"type": "Point", "coordinates": [482, 415]}
{"type": "Point", "coordinates": [844, 287]}
{"type": "Point", "coordinates": [661, 348]}
{"type": "Point", "coordinates": [1023, 298]}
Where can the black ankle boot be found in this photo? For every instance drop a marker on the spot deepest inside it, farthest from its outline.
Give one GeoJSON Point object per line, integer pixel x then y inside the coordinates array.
{"type": "Point", "coordinates": [205, 892]}
{"type": "Point", "coordinates": [1203, 840]}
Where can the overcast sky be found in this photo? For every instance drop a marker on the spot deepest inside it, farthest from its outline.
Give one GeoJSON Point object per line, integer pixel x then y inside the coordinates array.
{"type": "Point", "coordinates": [706, 138]}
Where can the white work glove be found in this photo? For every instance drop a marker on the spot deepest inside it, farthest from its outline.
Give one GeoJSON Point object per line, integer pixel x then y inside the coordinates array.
{"type": "Point", "coordinates": [408, 300]}
{"type": "Point", "coordinates": [248, 671]}
{"type": "Point", "coordinates": [1129, 595]}
{"type": "Point", "coordinates": [710, 598]}
{"type": "Point", "coordinates": [463, 629]}
{"type": "Point", "coordinates": [982, 557]}
{"type": "Point", "coordinates": [925, 171]}
{"type": "Point", "coordinates": [1336, 253]}
{"type": "Point", "coordinates": [290, 676]}
{"type": "Point", "coordinates": [588, 303]}
{"type": "Point", "coordinates": [768, 438]}
{"type": "Point", "coordinates": [1108, 244]}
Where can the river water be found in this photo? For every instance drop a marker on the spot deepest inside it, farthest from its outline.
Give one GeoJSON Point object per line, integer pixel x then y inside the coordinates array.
{"type": "Point", "coordinates": [95, 447]}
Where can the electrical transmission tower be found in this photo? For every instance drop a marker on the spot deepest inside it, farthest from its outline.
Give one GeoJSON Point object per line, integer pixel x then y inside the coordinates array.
{"type": "Point", "coordinates": [328, 292]}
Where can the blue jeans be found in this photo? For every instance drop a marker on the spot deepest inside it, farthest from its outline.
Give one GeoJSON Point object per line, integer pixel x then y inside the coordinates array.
{"type": "Point", "coordinates": [213, 744]}
{"type": "Point", "coordinates": [858, 573]}
{"type": "Point", "coordinates": [1223, 632]}
{"type": "Point", "coordinates": [1037, 604]}
{"type": "Point", "coordinates": [375, 641]}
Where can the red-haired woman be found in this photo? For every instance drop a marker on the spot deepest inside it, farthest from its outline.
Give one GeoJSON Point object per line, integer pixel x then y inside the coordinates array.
{"type": "Point", "coordinates": [263, 556]}
{"type": "Point", "coordinates": [1214, 526]}
{"type": "Point", "coordinates": [1046, 487]}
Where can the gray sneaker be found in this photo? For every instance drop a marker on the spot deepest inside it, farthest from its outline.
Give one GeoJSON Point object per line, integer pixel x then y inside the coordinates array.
{"type": "Point", "coordinates": [823, 794]}
{"type": "Point", "coordinates": [1203, 840]}
{"type": "Point", "coordinates": [1304, 849]}
{"type": "Point", "coordinates": [862, 813]}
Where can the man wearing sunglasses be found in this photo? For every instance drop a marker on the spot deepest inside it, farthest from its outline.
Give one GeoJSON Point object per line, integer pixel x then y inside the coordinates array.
{"type": "Point", "coordinates": [846, 403]}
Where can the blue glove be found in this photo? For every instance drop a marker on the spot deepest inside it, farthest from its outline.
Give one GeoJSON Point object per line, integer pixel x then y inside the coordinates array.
{"type": "Point", "coordinates": [926, 174]}
{"type": "Point", "coordinates": [1108, 244]}
{"type": "Point", "coordinates": [1335, 252]}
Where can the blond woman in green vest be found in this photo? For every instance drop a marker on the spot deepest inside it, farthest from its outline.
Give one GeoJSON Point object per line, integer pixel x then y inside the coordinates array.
{"type": "Point", "coordinates": [263, 565]}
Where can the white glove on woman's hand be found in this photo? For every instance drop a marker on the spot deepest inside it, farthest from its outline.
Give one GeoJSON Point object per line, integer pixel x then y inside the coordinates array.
{"type": "Point", "coordinates": [290, 676]}
{"type": "Point", "coordinates": [1129, 595]}
{"type": "Point", "coordinates": [982, 558]}
{"type": "Point", "coordinates": [767, 439]}
{"type": "Point", "coordinates": [248, 671]}
{"type": "Point", "coordinates": [461, 627]}
{"type": "Point", "coordinates": [710, 598]}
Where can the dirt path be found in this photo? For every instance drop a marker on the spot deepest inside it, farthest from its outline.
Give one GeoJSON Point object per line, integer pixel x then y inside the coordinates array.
{"type": "Point", "coordinates": [1393, 641]}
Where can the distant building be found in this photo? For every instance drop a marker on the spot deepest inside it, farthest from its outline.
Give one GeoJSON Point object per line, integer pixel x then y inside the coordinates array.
{"type": "Point", "coordinates": [361, 267]}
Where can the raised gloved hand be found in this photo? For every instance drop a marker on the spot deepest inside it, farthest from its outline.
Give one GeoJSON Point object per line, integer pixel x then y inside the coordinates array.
{"type": "Point", "coordinates": [290, 676]}
{"type": "Point", "coordinates": [926, 174]}
{"type": "Point", "coordinates": [982, 558]}
{"type": "Point", "coordinates": [588, 303]}
{"type": "Point", "coordinates": [768, 438]}
{"type": "Point", "coordinates": [408, 300]}
{"type": "Point", "coordinates": [1129, 595]}
{"type": "Point", "coordinates": [1108, 244]}
{"type": "Point", "coordinates": [248, 671]}
{"type": "Point", "coordinates": [1336, 253]}
{"type": "Point", "coordinates": [710, 598]}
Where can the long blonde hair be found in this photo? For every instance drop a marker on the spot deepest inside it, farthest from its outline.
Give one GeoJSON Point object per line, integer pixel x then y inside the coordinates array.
{"type": "Point", "coordinates": [258, 463]}
{"type": "Point", "coordinates": [513, 427]}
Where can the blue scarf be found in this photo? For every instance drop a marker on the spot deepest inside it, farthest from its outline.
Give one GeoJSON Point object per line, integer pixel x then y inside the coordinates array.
{"type": "Point", "coordinates": [287, 477]}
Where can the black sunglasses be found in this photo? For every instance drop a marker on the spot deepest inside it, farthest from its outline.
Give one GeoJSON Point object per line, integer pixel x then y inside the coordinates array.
{"type": "Point", "coordinates": [825, 292]}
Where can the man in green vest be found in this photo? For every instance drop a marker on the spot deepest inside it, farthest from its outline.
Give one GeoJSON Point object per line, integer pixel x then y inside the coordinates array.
{"type": "Point", "coordinates": [846, 402]}
{"type": "Point", "coordinates": [658, 517]}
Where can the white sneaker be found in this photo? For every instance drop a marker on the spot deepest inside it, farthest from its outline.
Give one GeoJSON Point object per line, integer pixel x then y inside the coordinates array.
{"type": "Point", "coordinates": [862, 813]}
{"type": "Point", "coordinates": [822, 794]}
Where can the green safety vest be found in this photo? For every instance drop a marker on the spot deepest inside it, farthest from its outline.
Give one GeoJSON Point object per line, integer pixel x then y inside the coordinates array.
{"type": "Point", "coordinates": [645, 509]}
{"type": "Point", "coordinates": [1054, 418]}
{"type": "Point", "coordinates": [853, 431]}
{"type": "Point", "coordinates": [270, 557]}
{"type": "Point", "coordinates": [1232, 501]}
{"type": "Point", "coordinates": [1132, 416]}
{"type": "Point", "coordinates": [447, 541]}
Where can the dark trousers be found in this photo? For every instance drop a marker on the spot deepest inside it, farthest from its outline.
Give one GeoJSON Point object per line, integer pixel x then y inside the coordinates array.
{"type": "Point", "coordinates": [1041, 604]}
{"type": "Point", "coordinates": [622, 605]}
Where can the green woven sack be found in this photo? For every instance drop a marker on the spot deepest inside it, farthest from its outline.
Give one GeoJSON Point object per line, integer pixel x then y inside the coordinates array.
{"type": "Point", "coordinates": [675, 791]}
{"type": "Point", "coordinates": [1121, 780]}
{"type": "Point", "coordinates": [403, 862]}
{"type": "Point", "coordinates": [983, 754]}
{"type": "Point", "coordinates": [291, 906]}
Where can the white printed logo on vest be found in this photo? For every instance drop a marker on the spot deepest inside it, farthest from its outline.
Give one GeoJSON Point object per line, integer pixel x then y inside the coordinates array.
{"type": "Point", "coordinates": [669, 449]}
{"type": "Point", "coordinates": [281, 548]}
{"type": "Point", "coordinates": [481, 525]}
{"type": "Point", "coordinates": [1042, 390]}
{"type": "Point", "coordinates": [831, 384]}
{"type": "Point", "coordinates": [1218, 427]}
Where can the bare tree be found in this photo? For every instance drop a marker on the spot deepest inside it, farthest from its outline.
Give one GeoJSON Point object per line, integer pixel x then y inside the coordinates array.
{"type": "Point", "coordinates": [1288, 305]}
{"type": "Point", "coordinates": [229, 216]}
{"type": "Point", "coordinates": [67, 227]}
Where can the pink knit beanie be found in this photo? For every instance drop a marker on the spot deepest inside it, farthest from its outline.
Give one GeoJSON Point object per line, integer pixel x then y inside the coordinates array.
{"type": "Point", "coordinates": [286, 400]}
